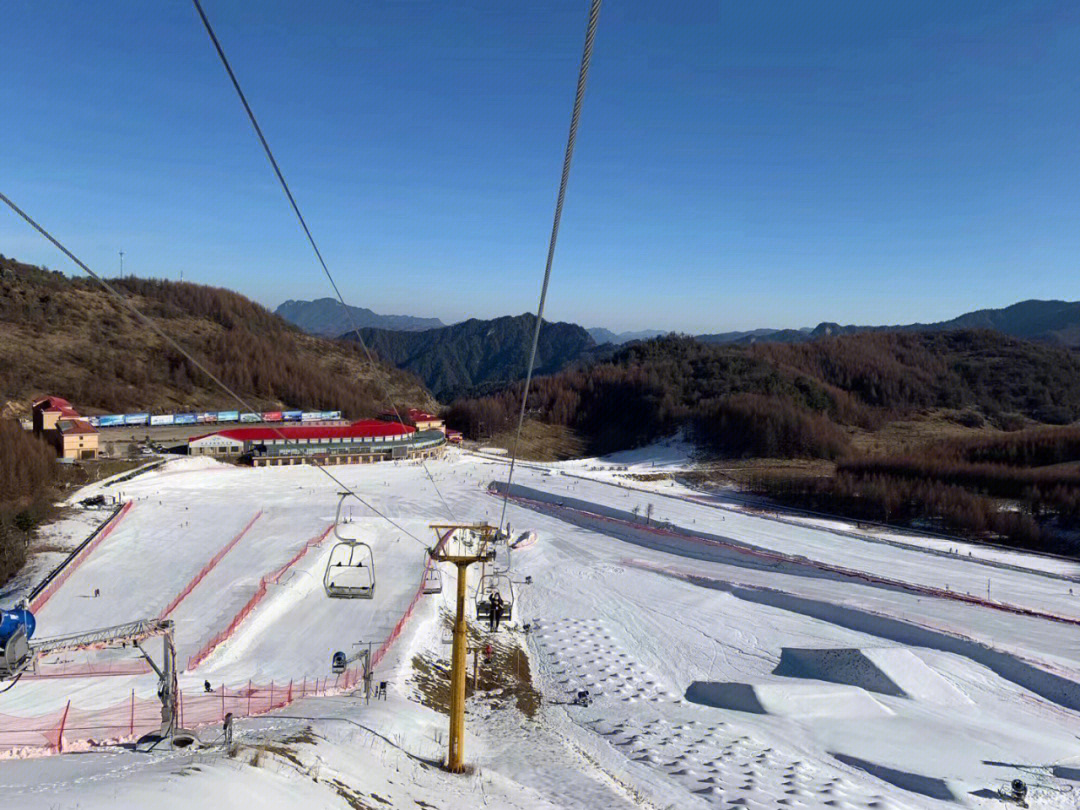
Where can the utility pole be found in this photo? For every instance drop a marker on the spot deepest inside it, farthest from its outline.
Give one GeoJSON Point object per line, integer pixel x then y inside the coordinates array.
{"type": "Point", "coordinates": [461, 544]}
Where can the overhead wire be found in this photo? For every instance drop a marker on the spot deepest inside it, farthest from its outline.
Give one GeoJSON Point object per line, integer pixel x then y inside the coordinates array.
{"type": "Point", "coordinates": [307, 231]}
{"type": "Point", "coordinates": [575, 117]}
{"type": "Point", "coordinates": [148, 322]}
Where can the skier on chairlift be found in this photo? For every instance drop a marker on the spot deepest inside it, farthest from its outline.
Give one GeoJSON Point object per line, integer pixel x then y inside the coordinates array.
{"type": "Point", "coordinates": [496, 610]}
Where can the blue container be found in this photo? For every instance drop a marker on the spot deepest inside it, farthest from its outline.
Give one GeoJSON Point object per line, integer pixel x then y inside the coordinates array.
{"type": "Point", "coordinates": [12, 620]}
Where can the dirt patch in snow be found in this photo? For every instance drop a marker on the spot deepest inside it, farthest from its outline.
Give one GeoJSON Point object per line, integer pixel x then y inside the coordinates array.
{"type": "Point", "coordinates": [500, 673]}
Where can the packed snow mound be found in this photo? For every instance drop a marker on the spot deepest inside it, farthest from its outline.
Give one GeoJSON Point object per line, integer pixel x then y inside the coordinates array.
{"type": "Point", "coordinates": [788, 699]}
{"type": "Point", "coordinates": [891, 671]}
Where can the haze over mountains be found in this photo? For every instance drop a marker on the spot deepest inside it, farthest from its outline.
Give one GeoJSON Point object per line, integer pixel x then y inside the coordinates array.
{"type": "Point", "coordinates": [326, 318]}
{"type": "Point", "coordinates": [1055, 322]}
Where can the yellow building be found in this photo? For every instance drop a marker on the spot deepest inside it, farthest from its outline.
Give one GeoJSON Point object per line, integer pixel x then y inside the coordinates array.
{"type": "Point", "coordinates": [60, 425]}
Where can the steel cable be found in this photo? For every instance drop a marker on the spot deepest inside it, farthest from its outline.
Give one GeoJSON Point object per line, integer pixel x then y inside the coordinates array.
{"type": "Point", "coordinates": [307, 231]}
{"type": "Point", "coordinates": [583, 75]}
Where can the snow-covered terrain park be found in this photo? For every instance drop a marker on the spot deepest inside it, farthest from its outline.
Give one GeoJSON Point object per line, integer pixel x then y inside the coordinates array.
{"type": "Point", "coordinates": [735, 658]}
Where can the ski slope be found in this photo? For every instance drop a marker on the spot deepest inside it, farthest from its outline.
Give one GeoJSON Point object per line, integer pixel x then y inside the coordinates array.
{"type": "Point", "coordinates": [730, 664]}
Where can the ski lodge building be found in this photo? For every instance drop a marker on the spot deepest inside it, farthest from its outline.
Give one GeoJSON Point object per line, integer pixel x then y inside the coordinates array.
{"type": "Point", "coordinates": [421, 420]}
{"type": "Point", "coordinates": [362, 442]}
{"type": "Point", "coordinates": [70, 434]}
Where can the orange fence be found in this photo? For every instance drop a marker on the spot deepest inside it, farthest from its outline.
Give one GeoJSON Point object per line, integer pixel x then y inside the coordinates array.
{"type": "Point", "coordinates": [260, 594]}
{"type": "Point", "coordinates": [70, 728]}
{"type": "Point", "coordinates": [206, 569]}
{"type": "Point", "coordinates": [72, 565]}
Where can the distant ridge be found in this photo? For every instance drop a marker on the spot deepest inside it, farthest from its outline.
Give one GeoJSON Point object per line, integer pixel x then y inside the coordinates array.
{"type": "Point", "coordinates": [601, 335]}
{"type": "Point", "coordinates": [326, 318]}
{"type": "Point", "coordinates": [479, 354]}
{"type": "Point", "coordinates": [1056, 322]}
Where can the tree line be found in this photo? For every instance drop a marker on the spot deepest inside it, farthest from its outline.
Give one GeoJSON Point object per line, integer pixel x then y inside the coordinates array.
{"type": "Point", "coordinates": [27, 476]}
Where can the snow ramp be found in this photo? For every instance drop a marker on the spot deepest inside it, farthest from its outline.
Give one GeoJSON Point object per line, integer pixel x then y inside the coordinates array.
{"type": "Point", "coordinates": [894, 671]}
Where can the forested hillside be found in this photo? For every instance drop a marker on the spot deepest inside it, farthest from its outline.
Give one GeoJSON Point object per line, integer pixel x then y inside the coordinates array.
{"type": "Point", "coordinates": [792, 400]}
{"type": "Point", "coordinates": [477, 354]}
{"type": "Point", "coordinates": [67, 336]}
{"type": "Point", "coordinates": [27, 476]}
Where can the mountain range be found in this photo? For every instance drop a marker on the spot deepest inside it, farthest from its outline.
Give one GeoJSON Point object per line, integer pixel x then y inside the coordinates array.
{"type": "Point", "coordinates": [1056, 322]}
{"type": "Point", "coordinates": [477, 355]}
{"type": "Point", "coordinates": [326, 318]}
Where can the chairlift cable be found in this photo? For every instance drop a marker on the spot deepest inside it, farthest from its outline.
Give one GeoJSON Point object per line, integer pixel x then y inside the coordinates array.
{"type": "Point", "coordinates": [583, 74]}
{"type": "Point", "coordinates": [164, 336]}
{"type": "Point", "coordinates": [307, 232]}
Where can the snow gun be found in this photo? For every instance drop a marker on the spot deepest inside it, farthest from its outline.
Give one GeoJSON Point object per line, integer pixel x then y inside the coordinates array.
{"type": "Point", "coordinates": [16, 628]}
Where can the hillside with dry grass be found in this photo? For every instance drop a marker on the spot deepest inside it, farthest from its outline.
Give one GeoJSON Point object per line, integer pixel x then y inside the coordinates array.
{"type": "Point", "coordinates": [69, 337]}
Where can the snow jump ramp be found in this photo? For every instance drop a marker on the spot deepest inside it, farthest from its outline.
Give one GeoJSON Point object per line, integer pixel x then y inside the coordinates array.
{"type": "Point", "coordinates": [790, 699]}
{"type": "Point", "coordinates": [893, 671]}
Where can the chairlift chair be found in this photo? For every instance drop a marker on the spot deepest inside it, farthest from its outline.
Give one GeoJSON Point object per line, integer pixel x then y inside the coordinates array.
{"type": "Point", "coordinates": [489, 585]}
{"type": "Point", "coordinates": [433, 580]}
{"type": "Point", "coordinates": [350, 571]}
{"type": "Point", "coordinates": [338, 663]}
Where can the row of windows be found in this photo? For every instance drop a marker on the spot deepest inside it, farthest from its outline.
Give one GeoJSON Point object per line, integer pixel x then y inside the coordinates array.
{"type": "Point", "coordinates": [339, 440]}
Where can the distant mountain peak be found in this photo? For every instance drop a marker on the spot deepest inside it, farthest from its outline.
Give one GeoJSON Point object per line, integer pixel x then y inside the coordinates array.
{"type": "Point", "coordinates": [326, 317]}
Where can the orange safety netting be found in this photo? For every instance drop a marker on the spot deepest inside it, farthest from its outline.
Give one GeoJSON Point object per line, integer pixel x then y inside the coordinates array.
{"type": "Point", "coordinates": [260, 593]}
{"type": "Point", "coordinates": [206, 569]}
{"type": "Point", "coordinates": [73, 728]}
{"type": "Point", "coordinates": [39, 601]}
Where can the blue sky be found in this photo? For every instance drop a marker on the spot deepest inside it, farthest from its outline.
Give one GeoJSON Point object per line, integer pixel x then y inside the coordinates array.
{"type": "Point", "coordinates": [739, 164]}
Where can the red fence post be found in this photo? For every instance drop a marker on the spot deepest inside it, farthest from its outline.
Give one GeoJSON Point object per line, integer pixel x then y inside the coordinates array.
{"type": "Point", "coordinates": [223, 701]}
{"type": "Point", "coordinates": [132, 730]}
{"type": "Point", "coordinates": [249, 698]}
{"type": "Point", "coordinates": [303, 689]}
{"type": "Point", "coordinates": [180, 697]}
{"type": "Point", "coordinates": [60, 736]}
{"type": "Point", "coordinates": [271, 695]}
{"type": "Point", "coordinates": [290, 691]}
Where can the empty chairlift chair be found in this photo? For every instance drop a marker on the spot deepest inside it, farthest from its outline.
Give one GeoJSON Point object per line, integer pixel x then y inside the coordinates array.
{"type": "Point", "coordinates": [350, 571]}
{"type": "Point", "coordinates": [432, 580]}
{"type": "Point", "coordinates": [491, 584]}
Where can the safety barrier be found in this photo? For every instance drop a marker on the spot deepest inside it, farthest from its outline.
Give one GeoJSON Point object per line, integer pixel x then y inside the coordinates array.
{"type": "Point", "coordinates": [260, 594]}
{"type": "Point", "coordinates": [404, 620]}
{"type": "Point", "coordinates": [206, 569]}
{"type": "Point", "coordinates": [72, 563]}
{"type": "Point", "coordinates": [71, 728]}
{"type": "Point", "coordinates": [796, 559]}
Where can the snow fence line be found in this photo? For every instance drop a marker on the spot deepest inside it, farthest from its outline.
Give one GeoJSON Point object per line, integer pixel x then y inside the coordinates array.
{"type": "Point", "coordinates": [73, 562]}
{"type": "Point", "coordinates": [206, 569]}
{"type": "Point", "coordinates": [74, 729]}
{"type": "Point", "coordinates": [404, 620]}
{"type": "Point", "coordinates": [260, 593]}
{"type": "Point", "coordinates": [796, 559]}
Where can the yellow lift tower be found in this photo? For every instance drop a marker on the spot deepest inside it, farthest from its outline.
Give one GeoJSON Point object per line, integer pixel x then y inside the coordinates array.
{"type": "Point", "coordinates": [461, 544]}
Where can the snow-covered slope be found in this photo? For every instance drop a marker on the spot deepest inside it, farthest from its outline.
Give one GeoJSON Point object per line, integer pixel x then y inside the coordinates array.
{"type": "Point", "coordinates": [733, 659]}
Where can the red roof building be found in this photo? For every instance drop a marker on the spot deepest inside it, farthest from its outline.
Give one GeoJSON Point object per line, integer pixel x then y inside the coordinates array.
{"type": "Point", "coordinates": [70, 434]}
{"type": "Point", "coordinates": [365, 428]}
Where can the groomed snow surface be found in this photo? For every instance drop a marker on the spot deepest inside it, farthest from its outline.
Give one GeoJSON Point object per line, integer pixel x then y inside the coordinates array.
{"type": "Point", "coordinates": [720, 677]}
